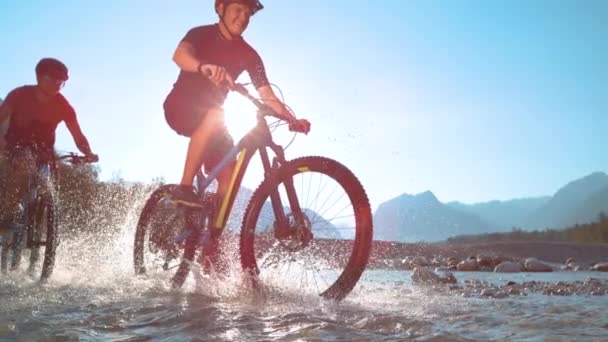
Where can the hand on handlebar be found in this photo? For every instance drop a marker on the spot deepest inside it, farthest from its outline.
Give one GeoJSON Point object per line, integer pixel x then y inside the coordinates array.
{"type": "Point", "coordinates": [217, 74]}
{"type": "Point", "coordinates": [295, 125]}
{"type": "Point", "coordinates": [91, 158]}
{"type": "Point", "coordinates": [299, 125]}
{"type": "Point", "coordinates": [77, 159]}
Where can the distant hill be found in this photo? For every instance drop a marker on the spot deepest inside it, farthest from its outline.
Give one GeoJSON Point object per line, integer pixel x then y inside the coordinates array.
{"type": "Point", "coordinates": [322, 228]}
{"type": "Point", "coordinates": [504, 214]}
{"type": "Point", "coordinates": [409, 218]}
{"type": "Point", "coordinates": [576, 202]}
{"type": "Point", "coordinates": [592, 207]}
{"type": "Point", "coordinates": [421, 217]}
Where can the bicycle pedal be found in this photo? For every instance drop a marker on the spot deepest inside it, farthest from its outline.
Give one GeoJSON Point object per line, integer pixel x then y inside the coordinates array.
{"type": "Point", "coordinates": [185, 203]}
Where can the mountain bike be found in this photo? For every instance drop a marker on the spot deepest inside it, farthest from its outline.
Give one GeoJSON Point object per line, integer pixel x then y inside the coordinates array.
{"type": "Point", "coordinates": [35, 232]}
{"type": "Point", "coordinates": [307, 226]}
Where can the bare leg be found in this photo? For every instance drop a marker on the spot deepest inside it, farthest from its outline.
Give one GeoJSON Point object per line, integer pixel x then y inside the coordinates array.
{"type": "Point", "coordinates": [198, 144]}
{"type": "Point", "coordinates": [211, 256]}
{"type": "Point", "coordinates": [223, 180]}
{"type": "Point", "coordinates": [21, 169]}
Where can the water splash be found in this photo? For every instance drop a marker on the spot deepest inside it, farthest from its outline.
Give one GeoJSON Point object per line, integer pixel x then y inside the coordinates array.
{"type": "Point", "coordinates": [94, 294]}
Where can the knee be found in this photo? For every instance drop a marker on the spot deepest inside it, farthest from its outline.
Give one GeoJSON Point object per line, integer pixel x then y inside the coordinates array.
{"type": "Point", "coordinates": [214, 117]}
{"type": "Point", "coordinates": [212, 122]}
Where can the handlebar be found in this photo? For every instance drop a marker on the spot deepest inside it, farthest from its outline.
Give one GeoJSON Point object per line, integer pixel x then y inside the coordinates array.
{"type": "Point", "coordinates": [262, 108]}
{"type": "Point", "coordinates": [295, 125]}
{"type": "Point", "coordinates": [79, 159]}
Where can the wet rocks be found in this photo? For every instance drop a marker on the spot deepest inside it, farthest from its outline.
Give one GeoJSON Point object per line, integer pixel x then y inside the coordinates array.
{"type": "Point", "coordinates": [485, 263]}
{"type": "Point", "coordinates": [535, 265]}
{"type": "Point", "coordinates": [468, 265]}
{"type": "Point", "coordinates": [602, 266]}
{"type": "Point", "coordinates": [448, 284]}
{"type": "Point", "coordinates": [423, 275]}
{"type": "Point", "coordinates": [508, 267]}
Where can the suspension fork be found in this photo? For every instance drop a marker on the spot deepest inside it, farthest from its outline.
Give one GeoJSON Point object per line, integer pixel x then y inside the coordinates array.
{"type": "Point", "coordinates": [282, 226]}
{"type": "Point", "coordinates": [39, 190]}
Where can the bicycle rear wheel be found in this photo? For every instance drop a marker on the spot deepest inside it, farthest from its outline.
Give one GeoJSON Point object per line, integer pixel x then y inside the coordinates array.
{"type": "Point", "coordinates": [160, 224]}
{"type": "Point", "coordinates": [328, 262]}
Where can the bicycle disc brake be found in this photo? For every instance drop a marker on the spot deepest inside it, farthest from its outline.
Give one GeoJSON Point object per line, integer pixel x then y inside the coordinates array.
{"type": "Point", "coordinates": [299, 234]}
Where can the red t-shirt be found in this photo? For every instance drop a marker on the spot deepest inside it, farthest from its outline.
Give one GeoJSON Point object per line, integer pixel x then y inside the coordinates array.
{"type": "Point", "coordinates": [34, 122]}
{"type": "Point", "coordinates": [210, 47]}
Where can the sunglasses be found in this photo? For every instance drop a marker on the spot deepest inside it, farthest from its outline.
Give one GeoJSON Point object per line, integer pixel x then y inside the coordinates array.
{"type": "Point", "coordinates": [57, 81]}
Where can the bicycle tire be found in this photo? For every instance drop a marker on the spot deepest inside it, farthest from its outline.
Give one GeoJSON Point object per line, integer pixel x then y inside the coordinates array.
{"type": "Point", "coordinates": [150, 208]}
{"type": "Point", "coordinates": [40, 219]}
{"type": "Point", "coordinates": [45, 209]}
{"type": "Point", "coordinates": [356, 195]}
{"type": "Point", "coordinates": [4, 254]}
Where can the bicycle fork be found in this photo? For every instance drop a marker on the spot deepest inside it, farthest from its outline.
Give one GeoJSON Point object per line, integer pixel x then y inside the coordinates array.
{"type": "Point", "coordinates": [295, 225]}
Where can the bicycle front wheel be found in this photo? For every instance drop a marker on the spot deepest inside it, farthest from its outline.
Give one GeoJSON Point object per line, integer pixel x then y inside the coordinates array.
{"type": "Point", "coordinates": [38, 244]}
{"type": "Point", "coordinates": [327, 251]}
{"type": "Point", "coordinates": [44, 235]}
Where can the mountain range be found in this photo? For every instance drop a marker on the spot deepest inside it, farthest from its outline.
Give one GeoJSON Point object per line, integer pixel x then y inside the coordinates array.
{"type": "Point", "coordinates": [322, 227]}
{"type": "Point", "coordinates": [421, 217]}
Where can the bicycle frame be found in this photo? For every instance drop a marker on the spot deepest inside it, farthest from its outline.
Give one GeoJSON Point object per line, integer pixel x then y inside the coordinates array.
{"type": "Point", "coordinates": [257, 139]}
{"type": "Point", "coordinates": [40, 183]}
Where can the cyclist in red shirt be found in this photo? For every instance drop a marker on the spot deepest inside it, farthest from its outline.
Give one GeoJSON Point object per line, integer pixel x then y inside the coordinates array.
{"type": "Point", "coordinates": [35, 111]}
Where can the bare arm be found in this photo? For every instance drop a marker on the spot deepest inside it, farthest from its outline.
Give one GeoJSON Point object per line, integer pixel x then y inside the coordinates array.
{"type": "Point", "coordinates": [271, 100]}
{"type": "Point", "coordinates": [185, 58]}
{"type": "Point", "coordinates": [5, 112]}
{"type": "Point", "coordinates": [79, 139]}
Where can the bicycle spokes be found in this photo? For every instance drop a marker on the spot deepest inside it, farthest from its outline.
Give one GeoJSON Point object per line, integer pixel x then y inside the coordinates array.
{"type": "Point", "coordinates": [323, 245]}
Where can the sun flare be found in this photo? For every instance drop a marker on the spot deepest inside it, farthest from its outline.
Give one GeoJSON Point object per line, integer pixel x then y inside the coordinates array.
{"type": "Point", "coordinates": [239, 115]}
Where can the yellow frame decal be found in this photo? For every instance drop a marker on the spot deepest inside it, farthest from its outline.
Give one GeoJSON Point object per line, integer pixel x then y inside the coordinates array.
{"type": "Point", "coordinates": [303, 169]}
{"type": "Point", "coordinates": [219, 222]}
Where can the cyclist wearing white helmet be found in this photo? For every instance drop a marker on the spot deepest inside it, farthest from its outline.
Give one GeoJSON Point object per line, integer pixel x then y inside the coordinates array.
{"type": "Point", "coordinates": [210, 58]}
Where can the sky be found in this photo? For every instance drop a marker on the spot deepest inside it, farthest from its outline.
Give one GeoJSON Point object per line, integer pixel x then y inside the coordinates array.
{"type": "Point", "coordinates": [473, 100]}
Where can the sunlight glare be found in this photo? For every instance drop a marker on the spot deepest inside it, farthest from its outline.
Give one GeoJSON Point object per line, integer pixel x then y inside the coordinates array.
{"type": "Point", "coordinates": [239, 115]}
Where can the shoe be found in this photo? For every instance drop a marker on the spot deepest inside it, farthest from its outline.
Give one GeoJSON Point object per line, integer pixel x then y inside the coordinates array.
{"type": "Point", "coordinates": [185, 195]}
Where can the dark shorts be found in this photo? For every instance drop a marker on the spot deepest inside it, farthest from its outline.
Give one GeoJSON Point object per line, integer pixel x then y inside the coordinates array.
{"type": "Point", "coordinates": [24, 162]}
{"type": "Point", "coordinates": [184, 117]}
{"type": "Point", "coordinates": [38, 155]}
